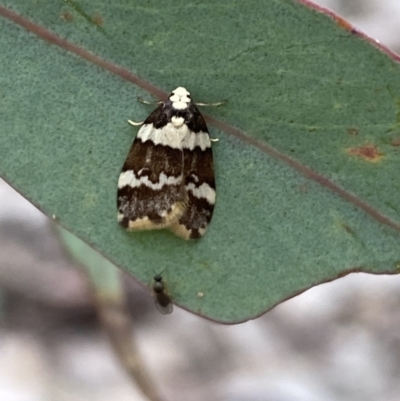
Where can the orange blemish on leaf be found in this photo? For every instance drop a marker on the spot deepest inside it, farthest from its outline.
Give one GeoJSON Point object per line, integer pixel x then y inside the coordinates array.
{"type": "Point", "coordinates": [368, 152]}
{"type": "Point", "coordinates": [344, 24]}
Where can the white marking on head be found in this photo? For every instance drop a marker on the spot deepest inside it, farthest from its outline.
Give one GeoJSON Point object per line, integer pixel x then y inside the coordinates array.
{"type": "Point", "coordinates": [181, 91]}
{"type": "Point", "coordinates": [179, 105]}
{"type": "Point", "coordinates": [203, 191]}
{"type": "Point", "coordinates": [128, 178]}
{"type": "Point", "coordinates": [180, 98]}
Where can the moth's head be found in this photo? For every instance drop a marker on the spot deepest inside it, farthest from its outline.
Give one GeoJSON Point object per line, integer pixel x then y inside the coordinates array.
{"type": "Point", "coordinates": [180, 98]}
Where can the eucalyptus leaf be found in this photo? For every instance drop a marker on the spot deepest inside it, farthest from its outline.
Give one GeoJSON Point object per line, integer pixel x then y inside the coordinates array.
{"type": "Point", "coordinates": [307, 163]}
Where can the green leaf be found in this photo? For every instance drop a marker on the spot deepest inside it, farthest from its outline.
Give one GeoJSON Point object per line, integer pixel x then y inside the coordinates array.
{"type": "Point", "coordinates": [309, 192]}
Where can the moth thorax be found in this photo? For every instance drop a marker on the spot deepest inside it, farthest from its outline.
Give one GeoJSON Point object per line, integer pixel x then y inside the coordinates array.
{"type": "Point", "coordinates": [177, 121]}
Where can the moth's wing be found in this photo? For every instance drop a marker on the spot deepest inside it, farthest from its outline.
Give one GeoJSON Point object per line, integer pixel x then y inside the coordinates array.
{"type": "Point", "coordinates": [198, 172]}
{"type": "Point", "coordinates": [151, 190]}
{"type": "Point", "coordinates": [163, 303]}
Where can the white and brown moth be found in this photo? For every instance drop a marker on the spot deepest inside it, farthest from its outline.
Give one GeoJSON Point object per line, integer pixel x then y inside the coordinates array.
{"type": "Point", "coordinates": [167, 180]}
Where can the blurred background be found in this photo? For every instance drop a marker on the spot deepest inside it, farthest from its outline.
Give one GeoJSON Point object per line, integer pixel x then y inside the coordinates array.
{"type": "Point", "coordinates": [338, 341]}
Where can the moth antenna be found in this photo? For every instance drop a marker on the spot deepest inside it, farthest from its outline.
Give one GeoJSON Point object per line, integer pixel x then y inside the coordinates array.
{"type": "Point", "coordinates": [212, 104]}
{"type": "Point", "coordinates": [160, 273]}
{"type": "Point", "coordinates": [134, 123]}
{"type": "Point", "coordinates": [141, 100]}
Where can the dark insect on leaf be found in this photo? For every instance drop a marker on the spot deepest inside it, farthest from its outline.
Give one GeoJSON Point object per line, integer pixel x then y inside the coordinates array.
{"type": "Point", "coordinates": [163, 301]}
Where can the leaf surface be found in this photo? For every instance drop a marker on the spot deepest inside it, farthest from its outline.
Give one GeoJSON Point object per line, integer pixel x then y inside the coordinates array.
{"type": "Point", "coordinates": [307, 163]}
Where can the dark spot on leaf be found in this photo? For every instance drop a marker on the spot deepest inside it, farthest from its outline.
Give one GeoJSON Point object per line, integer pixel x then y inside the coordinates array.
{"type": "Point", "coordinates": [303, 188]}
{"type": "Point", "coordinates": [98, 20]}
{"type": "Point", "coordinates": [352, 131]}
{"type": "Point", "coordinates": [68, 17]}
{"type": "Point", "coordinates": [348, 229]}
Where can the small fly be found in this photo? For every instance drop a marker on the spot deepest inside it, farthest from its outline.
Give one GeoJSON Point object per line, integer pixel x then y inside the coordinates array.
{"type": "Point", "coordinates": [163, 301]}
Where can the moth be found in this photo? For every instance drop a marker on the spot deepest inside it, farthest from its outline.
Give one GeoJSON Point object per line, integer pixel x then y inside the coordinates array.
{"type": "Point", "coordinates": [167, 180]}
{"type": "Point", "coordinates": [163, 301]}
